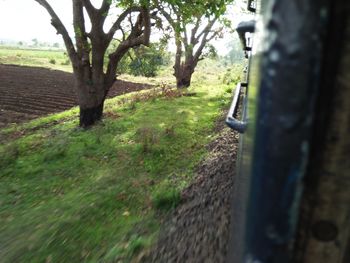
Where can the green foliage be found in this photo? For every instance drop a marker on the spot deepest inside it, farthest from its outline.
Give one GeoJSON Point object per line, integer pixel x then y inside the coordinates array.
{"type": "Point", "coordinates": [190, 8]}
{"type": "Point", "coordinates": [232, 74]}
{"type": "Point", "coordinates": [148, 60]}
{"type": "Point", "coordinates": [229, 90]}
{"type": "Point", "coordinates": [236, 53]}
{"type": "Point", "coordinates": [66, 62]}
{"type": "Point", "coordinates": [210, 52]}
{"type": "Point", "coordinates": [143, 61]}
{"type": "Point", "coordinates": [52, 61]}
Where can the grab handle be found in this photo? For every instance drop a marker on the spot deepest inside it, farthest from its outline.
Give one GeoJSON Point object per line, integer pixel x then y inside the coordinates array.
{"type": "Point", "coordinates": [231, 121]}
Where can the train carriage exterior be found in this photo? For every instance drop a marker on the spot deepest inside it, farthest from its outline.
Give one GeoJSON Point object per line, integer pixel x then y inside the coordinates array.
{"type": "Point", "coordinates": [291, 199]}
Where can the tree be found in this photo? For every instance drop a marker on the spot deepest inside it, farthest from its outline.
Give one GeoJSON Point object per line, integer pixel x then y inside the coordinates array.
{"type": "Point", "coordinates": [87, 54]}
{"type": "Point", "coordinates": [235, 54]}
{"type": "Point", "coordinates": [56, 45]}
{"type": "Point", "coordinates": [194, 24]}
{"type": "Point", "coordinates": [146, 61]}
{"type": "Point", "coordinates": [35, 42]}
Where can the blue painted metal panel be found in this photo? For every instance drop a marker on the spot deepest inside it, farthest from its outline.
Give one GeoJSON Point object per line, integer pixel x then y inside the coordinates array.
{"type": "Point", "coordinates": [283, 85]}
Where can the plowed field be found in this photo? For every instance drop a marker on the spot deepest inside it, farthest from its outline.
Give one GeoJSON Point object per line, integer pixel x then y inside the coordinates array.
{"type": "Point", "coordinates": [28, 92]}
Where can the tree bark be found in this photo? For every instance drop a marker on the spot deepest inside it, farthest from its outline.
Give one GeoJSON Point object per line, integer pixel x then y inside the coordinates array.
{"type": "Point", "coordinates": [91, 97]}
{"type": "Point", "coordinates": [184, 75]}
{"type": "Point", "coordinates": [183, 71]}
{"type": "Point", "coordinates": [90, 116]}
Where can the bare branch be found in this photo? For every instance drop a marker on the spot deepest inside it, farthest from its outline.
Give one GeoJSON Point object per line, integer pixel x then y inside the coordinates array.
{"type": "Point", "coordinates": [57, 23]}
{"type": "Point", "coordinates": [207, 29]}
{"type": "Point", "coordinates": [204, 34]}
{"type": "Point", "coordinates": [194, 31]}
{"type": "Point", "coordinates": [123, 33]}
{"type": "Point", "coordinates": [97, 16]}
{"type": "Point", "coordinates": [168, 17]}
{"type": "Point", "coordinates": [139, 35]}
{"type": "Point", "coordinates": [185, 38]}
{"type": "Point", "coordinates": [106, 5]}
{"type": "Point", "coordinates": [91, 10]}
{"type": "Point", "coordinates": [117, 23]}
{"type": "Point", "coordinates": [80, 32]}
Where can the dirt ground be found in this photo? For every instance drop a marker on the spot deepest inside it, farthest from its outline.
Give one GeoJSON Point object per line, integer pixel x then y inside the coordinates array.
{"type": "Point", "coordinates": [198, 229]}
{"type": "Point", "coordinates": [29, 92]}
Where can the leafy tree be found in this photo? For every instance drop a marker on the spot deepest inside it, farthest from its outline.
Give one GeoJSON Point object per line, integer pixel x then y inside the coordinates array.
{"type": "Point", "coordinates": [56, 45]}
{"type": "Point", "coordinates": [235, 53]}
{"type": "Point", "coordinates": [143, 60]}
{"type": "Point", "coordinates": [194, 24]}
{"type": "Point", "coordinates": [35, 42]}
{"type": "Point", "coordinates": [146, 61]}
{"type": "Point", "coordinates": [87, 54]}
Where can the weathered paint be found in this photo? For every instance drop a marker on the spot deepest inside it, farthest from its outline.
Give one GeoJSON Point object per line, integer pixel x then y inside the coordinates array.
{"type": "Point", "coordinates": [283, 86]}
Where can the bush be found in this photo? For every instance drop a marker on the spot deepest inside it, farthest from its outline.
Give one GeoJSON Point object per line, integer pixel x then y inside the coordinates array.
{"type": "Point", "coordinates": [8, 154]}
{"type": "Point", "coordinates": [233, 74]}
{"type": "Point", "coordinates": [229, 90]}
{"type": "Point", "coordinates": [166, 199]}
{"type": "Point", "coordinates": [66, 62]}
{"type": "Point", "coordinates": [52, 61]}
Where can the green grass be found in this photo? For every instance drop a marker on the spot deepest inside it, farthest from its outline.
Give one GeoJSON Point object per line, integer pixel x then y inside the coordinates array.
{"type": "Point", "coordinates": [99, 195]}
{"type": "Point", "coordinates": [36, 58]}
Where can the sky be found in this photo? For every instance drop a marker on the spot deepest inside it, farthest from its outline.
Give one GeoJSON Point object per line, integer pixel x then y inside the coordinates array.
{"type": "Point", "coordinates": [24, 20]}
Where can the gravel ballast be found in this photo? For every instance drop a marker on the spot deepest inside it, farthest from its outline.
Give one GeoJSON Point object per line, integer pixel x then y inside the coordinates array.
{"type": "Point", "coordinates": [198, 229]}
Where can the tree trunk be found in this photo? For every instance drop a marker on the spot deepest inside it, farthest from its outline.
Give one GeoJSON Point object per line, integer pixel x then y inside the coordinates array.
{"type": "Point", "coordinates": [184, 75]}
{"type": "Point", "coordinates": [183, 79]}
{"type": "Point", "coordinates": [91, 101]}
{"type": "Point", "coordinates": [89, 116]}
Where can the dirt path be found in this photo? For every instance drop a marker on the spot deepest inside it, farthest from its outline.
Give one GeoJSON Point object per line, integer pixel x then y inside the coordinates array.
{"type": "Point", "coordinates": [29, 92]}
{"type": "Point", "coordinates": [198, 230]}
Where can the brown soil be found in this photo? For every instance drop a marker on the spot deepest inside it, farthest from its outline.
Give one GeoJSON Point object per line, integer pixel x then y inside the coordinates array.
{"type": "Point", "coordinates": [30, 92]}
{"type": "Point", "coordinates": [198, 230]}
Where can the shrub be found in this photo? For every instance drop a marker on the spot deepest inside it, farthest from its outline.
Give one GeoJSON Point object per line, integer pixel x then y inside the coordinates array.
{"type": "Point", "coordinates": [8, 154]}
{"type": "Point", "coordinates": [66, 62]}
{"type": "Point", "coordinates": [148, 137]}
{"type": "Point", "coordinates": [166, 199]}
{"type": "Point", "coordinates": [52, 61]}
{"type": "Point", "coordinates": [229, 90]}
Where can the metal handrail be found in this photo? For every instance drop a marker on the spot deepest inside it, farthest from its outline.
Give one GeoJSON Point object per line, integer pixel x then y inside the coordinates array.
{"type": "Point", "coordinates": [231, 120]}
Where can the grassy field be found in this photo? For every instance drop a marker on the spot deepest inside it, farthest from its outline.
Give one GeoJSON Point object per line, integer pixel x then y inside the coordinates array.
{"type": "Point", "coordinates": [100, 195]}
{"type": "Point", "coordinates": [208, 69]}
{"type": "Point", "coordinates": [36, 58]}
